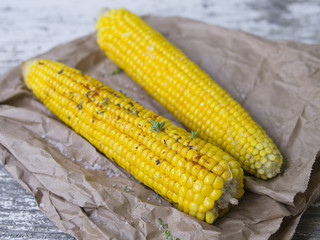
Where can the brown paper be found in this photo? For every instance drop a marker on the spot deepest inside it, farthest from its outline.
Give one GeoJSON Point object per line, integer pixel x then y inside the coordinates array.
{"type": "Point", "coordinates": [86, 195]}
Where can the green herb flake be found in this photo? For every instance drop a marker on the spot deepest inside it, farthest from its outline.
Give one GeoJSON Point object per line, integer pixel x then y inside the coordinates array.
{"type": "Point", "coordinates": [61, 71]}
{"type": "Point", "coordinates": [87, 94]}
{"type": "Point", "coordinates": [127, 189]}
{"type": "Point", "coordinates": [133, 178]}
{"type": "Point", "coordinates": [103, 223]}
{"type": "Point", "coordinates": [114, 94]}
{"type": "Point", "coordinates": [101, 112]}
{"type": "Point", "coordinates": [165, 230]}
{"type": "Point", "coordinates": [80, 104]}
{"type": "Point", "coordinates": [105, 102]}
{"type": "Point", "coordinates": [123, 93]}
{"type": "Point", "coordinates": [158, 197]}
{"type": "Point", "coordinates": [193, 134]}
{"type": "Point", "coordinates": [116, 71]}
{"type": "Point", "coordinates": [156, 126]}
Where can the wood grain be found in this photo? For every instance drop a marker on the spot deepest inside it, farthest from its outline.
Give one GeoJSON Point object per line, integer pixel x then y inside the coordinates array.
{"type": "Point", "coordinates": [30, 27]}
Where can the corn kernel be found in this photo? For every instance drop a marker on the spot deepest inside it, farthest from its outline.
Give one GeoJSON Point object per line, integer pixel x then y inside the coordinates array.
{"type": "Point", "coordinates": [197, 186]}
{"type": "Point", "coordinates": [208, 203]}
{"type": "Point", "coordinates": [198, 198]}
{"type": "Point", "coordinates": [189, 195]}
{"type": "Point", "coordinates": [210, 217]}
{"type": "Point", "coordinates": [216, 194]}
{"type": "Point", "coordinates": [202, 209]}
{"type": "Point", "coordinates": [192, 213]}
{"type": "Point", "coordinates": [193, 207]}
{"type": "Point", "coordinates": [218, 170]}
{"type": "Point", "coordinates": [206, 190]}
{"type": "Point", "coordinates": [209, 178]}
{"type": "Point", "coordinates": [200, 215]}
{"type": "Point", "coordinates": [218, 183]}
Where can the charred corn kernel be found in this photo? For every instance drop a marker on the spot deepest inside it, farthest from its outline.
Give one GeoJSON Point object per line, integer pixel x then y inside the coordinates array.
{"type": "Point", "coordinates": [122, 129]}
{"type": "Point", "coordinates": [186, 90]}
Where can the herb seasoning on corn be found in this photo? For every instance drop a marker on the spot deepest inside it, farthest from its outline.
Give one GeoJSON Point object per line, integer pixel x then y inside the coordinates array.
{"type": "Point", "coordinates": [186, 91]}
{"type": "Point", "coordinates": [198, 177]}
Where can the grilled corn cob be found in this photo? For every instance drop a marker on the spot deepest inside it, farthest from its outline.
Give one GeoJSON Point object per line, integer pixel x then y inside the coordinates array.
{"type": "Point", "coordinates": [199, 178]}
{"type": "Point", "coordinates": [186, 91]}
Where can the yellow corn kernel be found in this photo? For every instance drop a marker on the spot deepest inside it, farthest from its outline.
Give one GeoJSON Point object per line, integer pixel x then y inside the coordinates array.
{"type": "Point", "coordinates": [197, 186]}
{"type": "Point", "coordinates": [210, 217]}
{"type": "Point", "coordinates": [226, 175]}
{"type": "Point", "coordinates": [216, 194]}
{"type": "Point", "coordinates": [189, 195]}
{"type": "Point", "coordinates": [218, 170]}
{"type": "Point", "coordinates": [193, 207]}
{"type": "Point", "coordinates": [192, 213]}
{"type": "Point", "coordinates": [208, 203]}
{"type": "Point", "coordinates": [206, 190]}
{"type": "Point", "coordinates": [209, 178]}
{"type": "Point", "coordinates": [200, 215]}
{"type": "Point", "coordinates": [202, 209]}
{"type": "Point", "coordinates": [218, 183]}
{"type": "Point", "coordinates": [198, 198]}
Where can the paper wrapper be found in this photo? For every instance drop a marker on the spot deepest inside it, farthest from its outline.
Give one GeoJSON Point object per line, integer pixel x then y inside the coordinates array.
{"type": "Point", "coordinates": [86, 195]}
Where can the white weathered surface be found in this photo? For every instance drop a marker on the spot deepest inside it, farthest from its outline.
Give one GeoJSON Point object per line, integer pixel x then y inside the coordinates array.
{"type": "Point", "coordinates": [30, 27]}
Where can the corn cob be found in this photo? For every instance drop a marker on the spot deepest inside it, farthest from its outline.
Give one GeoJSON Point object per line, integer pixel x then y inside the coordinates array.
{"type": "Point", "coordinates": [186, 91]}
{"type": "Point", "coordinates": [199, 178]}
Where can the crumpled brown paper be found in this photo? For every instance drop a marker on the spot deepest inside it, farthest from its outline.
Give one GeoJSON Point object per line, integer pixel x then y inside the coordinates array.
{"type": "Point", "coordinates": [88, 196]}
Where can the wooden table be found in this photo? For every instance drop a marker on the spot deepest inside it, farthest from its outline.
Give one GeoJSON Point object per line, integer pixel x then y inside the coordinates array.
{"type": "Point", "coordinates": [30, 27]}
